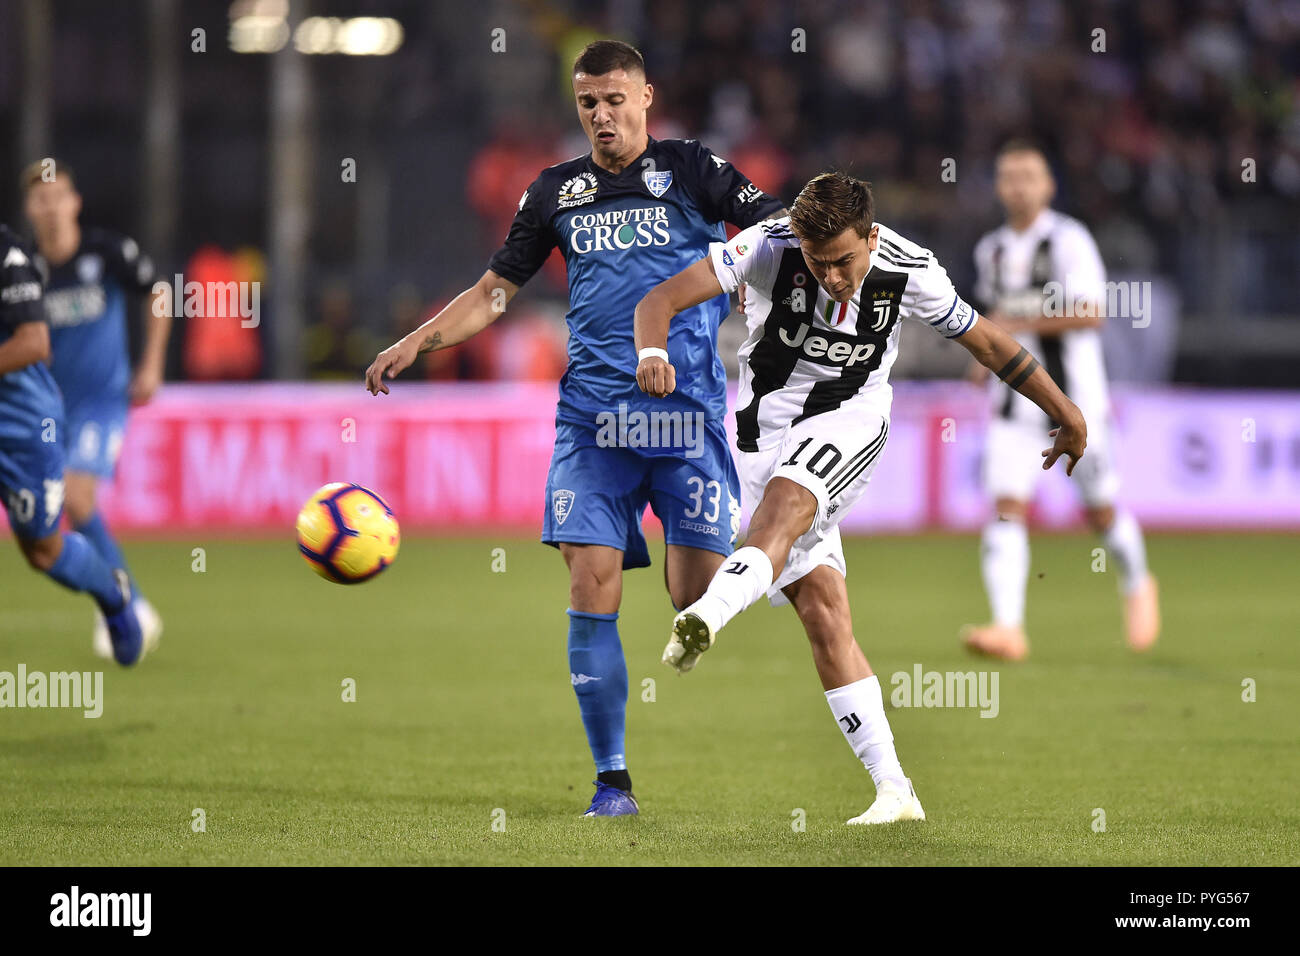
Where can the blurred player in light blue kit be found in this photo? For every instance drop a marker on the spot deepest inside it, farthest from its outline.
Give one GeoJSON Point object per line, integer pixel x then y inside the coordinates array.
{"type": "Point", "coordinates": [89, 277]}
{"type": "Point", "coordinates": [626, 215]}
{"type": "Point", "coordinates": [31, 461]}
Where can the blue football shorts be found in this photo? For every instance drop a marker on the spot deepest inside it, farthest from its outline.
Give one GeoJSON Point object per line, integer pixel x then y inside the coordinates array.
{"type": "Point", "coordinates": [93, 435]}
{"type": "Point", "coordinates": [597, 490]}
{"type": "Point", "coordinates": [31, 483]}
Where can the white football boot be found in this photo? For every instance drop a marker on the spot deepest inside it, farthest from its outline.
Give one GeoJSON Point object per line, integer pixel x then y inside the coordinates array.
{"type": "Point", "coordinates": [692, 636]}
{"type": "Point", "coordinates": [99, 639]}
{"type": "Point", "coordinates": [151, 626]}
{"type": "Point", "coordinates": [893, 804]}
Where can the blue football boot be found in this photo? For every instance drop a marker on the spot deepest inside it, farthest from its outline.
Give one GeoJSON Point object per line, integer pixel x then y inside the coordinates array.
{"type": "Point", "coordinates": [124, 626]}
{"type": "Point", "coordinates": [611, 802]}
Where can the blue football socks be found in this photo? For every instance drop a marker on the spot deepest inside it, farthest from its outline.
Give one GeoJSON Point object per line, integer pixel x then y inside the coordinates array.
{"type": "Point", "coordinates": [96, 532]}
{"type": "Point", "coordinates": [80, 567]}
{"type": "Point", "coordinates": [599, 676]}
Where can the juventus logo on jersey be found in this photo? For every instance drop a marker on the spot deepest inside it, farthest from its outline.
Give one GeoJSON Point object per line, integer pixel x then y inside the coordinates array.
{"type": "Point", "coordinates": [851, 723]}
{"type": "Point", "coordinates": [883, 302]}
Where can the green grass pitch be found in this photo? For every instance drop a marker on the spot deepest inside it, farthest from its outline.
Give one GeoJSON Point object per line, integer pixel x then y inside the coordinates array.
{"type": "Point", "coordinates": [464, 745]}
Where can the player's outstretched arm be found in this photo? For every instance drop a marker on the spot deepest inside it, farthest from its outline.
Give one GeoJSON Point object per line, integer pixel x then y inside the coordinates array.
{"type": "Point", "coordinates": [157, 320]}
{"type": "Point", "coordinates": [695, 284]}
{"type": "Point", "coordinates": [29, 344]}
{"type": "Point", "coordinates": [1004, 357]}
{"type": "Point", "coordinates": [465, 316]}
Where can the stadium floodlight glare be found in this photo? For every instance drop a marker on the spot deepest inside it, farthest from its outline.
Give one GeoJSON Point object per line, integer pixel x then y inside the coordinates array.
{"type": "Point", "coordinates": [316, 35]}
{"type": "Point", "coordinates": [258, 34]}
{"type": "Point", "coordinates": [358, 36]}
{"type": "Point", "coordinates": [262, 26]}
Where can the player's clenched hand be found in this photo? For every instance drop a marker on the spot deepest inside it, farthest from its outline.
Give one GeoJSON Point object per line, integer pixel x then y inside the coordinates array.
{"type": "Point", "coordinates": [391, 362]}
{"type": "Point", "coordinates": [1070, 439]}
{"type": "Point", "coordinates": [656, 377]}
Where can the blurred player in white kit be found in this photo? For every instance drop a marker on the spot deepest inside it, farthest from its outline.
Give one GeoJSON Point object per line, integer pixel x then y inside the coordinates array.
{"type": "Point", "coordinates": [1041, 278]}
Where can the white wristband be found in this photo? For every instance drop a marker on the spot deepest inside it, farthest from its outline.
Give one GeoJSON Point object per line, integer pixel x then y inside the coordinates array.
{"type": "Point", "coordinates": [651, 353]}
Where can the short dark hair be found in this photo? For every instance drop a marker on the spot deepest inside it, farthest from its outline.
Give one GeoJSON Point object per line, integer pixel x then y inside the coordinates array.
{"type": "Point", "coordinates": [831, 203]}
{"type": "Point", "coordinates": [35, 173]}
{"type": "Point", "coordinates": [1020, 144]}
{"type": "Point", "coordinates": [605, 56]}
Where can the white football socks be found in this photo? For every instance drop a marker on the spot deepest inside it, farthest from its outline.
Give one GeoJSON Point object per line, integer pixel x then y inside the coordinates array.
{"type": "Point", "coordinates": [743, 579]}
{"type": "Point", "coordinates": [1124, 540]}
{"type": "Point", "coordinates": [1004, 559]}
{"type": "Point", "coordinates": [860, 710]}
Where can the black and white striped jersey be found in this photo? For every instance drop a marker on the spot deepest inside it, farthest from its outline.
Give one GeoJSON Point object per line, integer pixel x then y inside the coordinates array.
{"type": "Point", "coordinates": [807, 354]}
{"type": "Point", "coordinates": [1048, 268]}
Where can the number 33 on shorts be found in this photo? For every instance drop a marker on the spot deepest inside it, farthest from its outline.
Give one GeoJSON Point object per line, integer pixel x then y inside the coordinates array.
{"type": "Point", "coordinates": [705, 501]}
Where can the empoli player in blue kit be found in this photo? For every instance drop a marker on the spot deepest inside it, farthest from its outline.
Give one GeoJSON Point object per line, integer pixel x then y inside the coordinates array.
{"type": "Point", "coordinates": [91, 275]}
{"type": "Point", "coordinates": [31, 459]}
{"type": "Point", "coordinates": [626, 216]}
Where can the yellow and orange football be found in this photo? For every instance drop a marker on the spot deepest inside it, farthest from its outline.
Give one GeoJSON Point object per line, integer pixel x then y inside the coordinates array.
{"type": "Point", "coordinates": [347, 533]}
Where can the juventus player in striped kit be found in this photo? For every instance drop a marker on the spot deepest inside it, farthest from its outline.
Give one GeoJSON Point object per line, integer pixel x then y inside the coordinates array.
{"type": "Point", "coordinates": [827, 288]}
{"type": "Point", "coordinates": [1038, 264]}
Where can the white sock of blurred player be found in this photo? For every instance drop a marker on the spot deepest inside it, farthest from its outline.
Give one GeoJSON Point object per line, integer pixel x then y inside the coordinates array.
{"type": "Point", "coordinates": [1123, 539]}
{"type": "Point", "coordinates": [1004, 559]}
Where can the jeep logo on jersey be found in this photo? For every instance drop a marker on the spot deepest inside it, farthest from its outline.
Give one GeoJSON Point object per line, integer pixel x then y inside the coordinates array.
{"type": "Point", "coordinates": [577, 191]}
{"type": "Point", "coordinates": [839, 350]}
{"type": "Point", "coordinates": [657, 182]}
{"type": "Point", "coordinates": [619, 229]}
{"type": "Point", "coordinates": [562, 503]}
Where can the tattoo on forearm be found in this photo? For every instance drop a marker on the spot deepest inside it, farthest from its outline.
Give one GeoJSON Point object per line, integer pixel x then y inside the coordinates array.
{"type": "Point", "coordinates": [1015, 360]}
{"type": "Point", "coordinates": [1029, 368]}
{"type": "Point", "coordinates": [432, 342]}
{"type": "Point", "coordinates": [1023, 377]}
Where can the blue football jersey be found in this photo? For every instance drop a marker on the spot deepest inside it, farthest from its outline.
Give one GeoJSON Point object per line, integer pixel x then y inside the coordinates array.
{"type": "Point", "coordinates": [86, 301]}
{"type": "Point", "coordinates": [28, 396]}
{"type": "Point", "coordinates": [621, 235]}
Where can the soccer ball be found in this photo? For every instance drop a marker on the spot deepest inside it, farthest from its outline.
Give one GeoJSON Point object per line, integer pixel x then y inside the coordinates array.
{"type": "Point", "coordinates": [347, 533]}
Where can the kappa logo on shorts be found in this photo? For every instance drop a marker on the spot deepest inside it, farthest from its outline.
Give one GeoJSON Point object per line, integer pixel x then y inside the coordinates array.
{"type": "Point", "coordinates": [562, 504]}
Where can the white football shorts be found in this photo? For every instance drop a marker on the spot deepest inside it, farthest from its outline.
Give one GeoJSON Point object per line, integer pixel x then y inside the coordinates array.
{"type": "Point", "coordinates": [1013, 461]}
{"type": "Point", "coordinates": [833, 455]}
